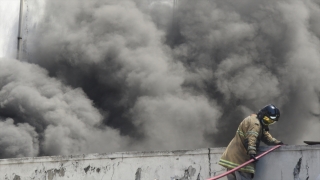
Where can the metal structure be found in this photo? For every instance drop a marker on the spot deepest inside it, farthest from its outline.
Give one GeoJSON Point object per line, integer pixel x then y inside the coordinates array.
{"type": "Point", "coordinates": [19, 30]}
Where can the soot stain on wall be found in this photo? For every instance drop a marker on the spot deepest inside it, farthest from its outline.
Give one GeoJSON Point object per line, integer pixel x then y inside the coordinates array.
{"type": "Point", "coordinates": [296, 170]}
{"type": "Point", "coordinates": [138, 174]}
{"type": "Point", "coordinates": [16, 177]}
{"type": "Point", "coordinates": [54, 172]}
{"type": "Point", "coordinates": [188, 173]}
{"type": "Point", "coordinates": [86, 169]}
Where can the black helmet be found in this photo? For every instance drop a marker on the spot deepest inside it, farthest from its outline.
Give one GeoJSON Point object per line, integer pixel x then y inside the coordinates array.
{"type": "Point", "coordinates": [269, 114]}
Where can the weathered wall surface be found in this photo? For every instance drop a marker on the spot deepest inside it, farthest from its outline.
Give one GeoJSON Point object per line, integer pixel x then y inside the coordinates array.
{"type": "Point", "coordinates": [289, 162]}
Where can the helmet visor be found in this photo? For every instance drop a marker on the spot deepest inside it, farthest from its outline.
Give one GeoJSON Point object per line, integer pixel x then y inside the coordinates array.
{"type": "Point", "coordinates": [268, 121]}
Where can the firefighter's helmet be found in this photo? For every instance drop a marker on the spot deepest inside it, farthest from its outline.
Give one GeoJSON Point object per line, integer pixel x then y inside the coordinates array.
{"type": "Point", "coordinates": [269, 114]}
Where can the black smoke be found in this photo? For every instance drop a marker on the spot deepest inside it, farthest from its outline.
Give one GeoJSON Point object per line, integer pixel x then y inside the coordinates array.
{"type": "Point", "coordinates": [161, 75]}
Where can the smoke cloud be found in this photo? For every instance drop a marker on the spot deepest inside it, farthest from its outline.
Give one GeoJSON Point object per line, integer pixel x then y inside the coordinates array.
{"type": "Point", "coordinates": [41, 111]}
{"type": "Point", "coordinates": [101, 76]}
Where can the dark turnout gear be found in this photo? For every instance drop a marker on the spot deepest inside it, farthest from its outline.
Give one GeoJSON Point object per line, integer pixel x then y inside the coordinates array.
{"type": "Point", "coordinates": [246, 143]}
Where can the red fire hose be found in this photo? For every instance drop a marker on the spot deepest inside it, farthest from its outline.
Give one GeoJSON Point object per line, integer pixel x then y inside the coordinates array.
{"type": "Point", "coordinates": [244, 164]}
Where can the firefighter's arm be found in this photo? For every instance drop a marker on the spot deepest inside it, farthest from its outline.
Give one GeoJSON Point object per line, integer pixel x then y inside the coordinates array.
{"type": "Point", "coordinates": [252, 135]}
{"type": "Point", "coordinates": [268, 139]}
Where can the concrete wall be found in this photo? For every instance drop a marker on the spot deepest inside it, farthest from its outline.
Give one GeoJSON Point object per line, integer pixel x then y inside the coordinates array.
{"type": "Point", "coordinates": [286, 163]}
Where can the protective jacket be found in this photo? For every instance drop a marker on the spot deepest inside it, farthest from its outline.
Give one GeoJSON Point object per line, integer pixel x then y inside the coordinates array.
{"type": "Point", "coordinates": [247, 139]}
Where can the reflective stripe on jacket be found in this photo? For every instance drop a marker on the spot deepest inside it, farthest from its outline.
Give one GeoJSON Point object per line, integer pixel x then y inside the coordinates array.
{"type": "Point", "coordinates": [247, 138]}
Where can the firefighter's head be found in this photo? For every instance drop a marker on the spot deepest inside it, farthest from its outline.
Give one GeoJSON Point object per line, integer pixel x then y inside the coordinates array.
{"type": "Point", "coordinates": [269, 114]}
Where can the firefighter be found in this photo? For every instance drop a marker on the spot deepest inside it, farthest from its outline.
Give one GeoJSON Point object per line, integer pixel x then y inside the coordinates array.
{"type": "Point", "coordinates": [244, 145]}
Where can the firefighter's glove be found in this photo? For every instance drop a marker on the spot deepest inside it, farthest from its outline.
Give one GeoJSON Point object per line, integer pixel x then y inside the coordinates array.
{"type": "Point", "coordinates": [252, 155]}
{"type": "Point", "coordinates": [280, 143]}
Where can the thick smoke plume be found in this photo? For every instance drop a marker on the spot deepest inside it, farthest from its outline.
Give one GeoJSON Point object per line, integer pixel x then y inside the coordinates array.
{"type": "Point", "coordinates": [101, 76]}
{"type": "Point", "coordinates": [37, 110]}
